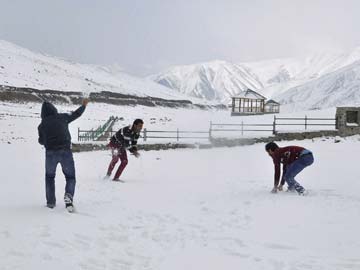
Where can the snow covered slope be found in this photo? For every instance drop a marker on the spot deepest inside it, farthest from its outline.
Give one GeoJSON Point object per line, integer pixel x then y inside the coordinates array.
{"type": "Point", "coordinates": [220, 80]}
{"type": "Point", "coordinates": [341, 87]}
{"type": "Point", "coordinates": [280, 75]}
{"type": "Point", "coordinates": [215, 81]}
{"type": "Point", "coordinates": [23, 68]}
{"type": "Point", "coordinates": [287, 80]}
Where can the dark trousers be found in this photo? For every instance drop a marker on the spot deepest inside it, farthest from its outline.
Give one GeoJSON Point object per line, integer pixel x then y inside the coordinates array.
{"type": "Point", "coordinates": [118, 153]}
{"type": "Point", "coordinates": [65, 158]}
{"type": "Point", "coordinates": [296, 167]}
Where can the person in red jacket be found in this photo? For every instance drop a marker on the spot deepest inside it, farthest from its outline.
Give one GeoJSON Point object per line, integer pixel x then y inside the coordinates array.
{"type": "Point", "coordinates": [294, 160]}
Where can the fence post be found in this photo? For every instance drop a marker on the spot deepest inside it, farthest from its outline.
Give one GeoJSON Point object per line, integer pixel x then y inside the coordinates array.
{"type": "Point", "coordinates": [274, 125]}
{"type": "Point", "coordinates": [336, 122]}
{"type": "Point", "coordinates": [145, 134]}
{"type": "Point", "coordinates": [242, 128]}
{"type": "Point", "coordinates": [78, 134]}
{"type": "Point", "coordinates": [177, 134]}
{"type": "Point", "coordinates": [305, 122]}
{"type": "Point", "coordinates": [210, 130]}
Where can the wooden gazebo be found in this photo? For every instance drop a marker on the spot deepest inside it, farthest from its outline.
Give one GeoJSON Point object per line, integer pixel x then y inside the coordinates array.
{"type": "Point", "coordinates": [247, 103]}
{"type": "Point", "coordinates": [271, 106]}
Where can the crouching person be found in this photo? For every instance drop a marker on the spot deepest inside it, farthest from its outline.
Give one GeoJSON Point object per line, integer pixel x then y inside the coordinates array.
{"type": "Point", "coordinates": [294, 160]}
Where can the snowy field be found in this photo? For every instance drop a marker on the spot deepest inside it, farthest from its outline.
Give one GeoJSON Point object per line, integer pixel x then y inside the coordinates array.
{"type": "Point", "coordinates": [178, 209]}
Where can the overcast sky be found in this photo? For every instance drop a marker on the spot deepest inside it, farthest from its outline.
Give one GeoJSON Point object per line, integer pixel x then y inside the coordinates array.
{"type": "Point", "coordinates": [146, 36]}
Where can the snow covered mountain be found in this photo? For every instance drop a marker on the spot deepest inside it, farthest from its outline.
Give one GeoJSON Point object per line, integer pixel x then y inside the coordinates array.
{"type": "Point", "coordinates": [214, 81]}
{"type": "Point", "coordinates": [280, 75]}
{"type": "Point", "coordinates": [220, 80]}
{"type": "Point", "coordinates": [287, 80]}
{"type": "Point", "coordinates": [23, 68]}
{"type": "Point", "coordinates": [339, 88]}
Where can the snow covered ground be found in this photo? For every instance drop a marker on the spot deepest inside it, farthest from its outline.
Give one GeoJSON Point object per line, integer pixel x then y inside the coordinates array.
{"type": "Point", "coordinates": [178, 209]}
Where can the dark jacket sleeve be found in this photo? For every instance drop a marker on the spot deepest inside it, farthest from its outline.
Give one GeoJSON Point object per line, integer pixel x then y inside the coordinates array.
{"type": "Point", "coordinates": [135, 139]}
{"type": "Point", "coordinates": [75, 114]}
{"type": "Point", "coordinates": [41, 136]}
{"type": "Point", "coordinates": [133, 147]}
{"type": "Point", "coordinates": [117, 139]}
{"type": "Point", "coordinates": [126, 132]}
{"type": "Point", "coordinates": [128, 136]}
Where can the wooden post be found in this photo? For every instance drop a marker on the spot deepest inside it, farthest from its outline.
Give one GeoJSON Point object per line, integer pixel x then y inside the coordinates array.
{"type": "Point", "coordinates": [336, 122]}
{"type": "Point", "coordinates": [274, 125]}
{"type": "Point", "coordinates": [78, 134]}
{"type": "Point", "coordinates": [263, 106]}
{"type": "Point", "coordinates": [145, 134]}
{"type": "Point", "coordinates": [305, 122]}
{"type": "Point", "coordinates": [210, 130]}
{"type": "Point", "coordinates": [242, 128]}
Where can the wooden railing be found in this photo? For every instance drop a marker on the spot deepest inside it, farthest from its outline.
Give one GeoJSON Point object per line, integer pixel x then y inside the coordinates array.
{"type": "Point", "coordinates": [306, 122]}
{"type": "Point", "coordinates": [214, 128]}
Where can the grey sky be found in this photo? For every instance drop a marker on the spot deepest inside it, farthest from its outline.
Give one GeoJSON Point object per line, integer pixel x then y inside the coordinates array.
{"type": "Point", "coordinates": [145, 36]}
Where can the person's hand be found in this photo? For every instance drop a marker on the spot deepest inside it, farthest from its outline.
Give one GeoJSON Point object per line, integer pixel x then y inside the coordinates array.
{"type": "Point", "coordinates": [280, 188]}
{"type": "Point", "coordinates": [274, 190]}
{"type": "Point", "coordinates": [85, 102]}
{"type": "Point", "coordinates": [136, 154]}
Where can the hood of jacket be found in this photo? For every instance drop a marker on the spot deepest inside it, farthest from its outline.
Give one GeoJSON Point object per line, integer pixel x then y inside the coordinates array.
{"type": "Point", "coordinates": [47, 110]}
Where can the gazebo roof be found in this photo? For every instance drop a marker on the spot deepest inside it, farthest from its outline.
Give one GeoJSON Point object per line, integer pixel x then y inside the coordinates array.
{"type": "Point", "coordinates": [251, 94]}
{"type": "Point", "coordinates": [271, 101]}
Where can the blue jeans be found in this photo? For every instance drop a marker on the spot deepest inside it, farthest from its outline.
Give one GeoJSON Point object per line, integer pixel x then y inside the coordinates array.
{"type": "Point", "coordinates": [65, 158]}
{"type": "Point", "coordinates": [295, 168]}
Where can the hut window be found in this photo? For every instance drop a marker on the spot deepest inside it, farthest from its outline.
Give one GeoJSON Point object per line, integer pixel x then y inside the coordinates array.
{"type": "Point", "coordinates": [352, 118]}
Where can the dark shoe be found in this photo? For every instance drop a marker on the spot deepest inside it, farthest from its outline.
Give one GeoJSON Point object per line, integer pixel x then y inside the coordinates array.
{"type": "Point", "coordinates": [303, 192]}
{"type": "Point", "coordinates": [68, 202]}
{"type": "Point", "coordinates": [118, 180]}
{"type": "Point", "coordinates": [51, 205]}
{"type": "Point", "coordinates": [70, 208]}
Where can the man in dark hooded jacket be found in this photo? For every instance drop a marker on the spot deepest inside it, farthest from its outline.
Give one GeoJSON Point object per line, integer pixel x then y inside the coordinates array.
{"type": "Point", "coordinates": [55, 136]}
